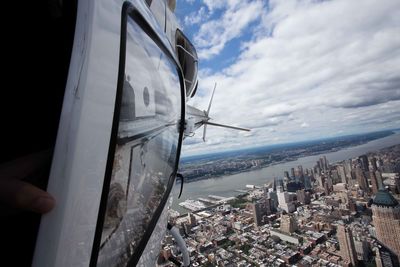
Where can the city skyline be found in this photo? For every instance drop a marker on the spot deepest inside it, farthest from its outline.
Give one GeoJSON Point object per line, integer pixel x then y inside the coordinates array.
{"type": "Point", "coordinates": [294, 71]}
{"type": "Point", "coordinates": [337, 220]}
{"type": "Point", "coordinates": [189, 153]}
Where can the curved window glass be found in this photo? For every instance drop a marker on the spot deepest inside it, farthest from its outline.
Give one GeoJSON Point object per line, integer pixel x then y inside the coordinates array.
{"type": "Point", "coordinates": [147, 146]}
{"type": "Point", "coordinates": [189, 62]}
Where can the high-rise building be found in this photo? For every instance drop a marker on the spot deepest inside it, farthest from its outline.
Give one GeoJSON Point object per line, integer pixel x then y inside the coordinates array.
{"type": "Point", "coordinates": [364, 162]}
{"type": "Point", "coordinates": [273, 198]}
{"type": "Point", "coordinates": [378, 176]}
{"type": "Point", "coordinates": [352, 205]}
{"type": "Point", "coordinates": [292, 172]}
{"type": "Point", "coordinates": [279, 182]}
{"type": "Point", "coordinates": [260, 209]}
{"type": "Point", "coordinates": [328, 186]}
{"type": "Point", "coordinates": [191, 219]}
{"type": "Point", "coordinates": [286, 174]}
{"type": "Point", "coordinates": [386, 218]}
{"type": "Point", "coordinates": [284, 202]}
{"type": "Point", "coordinates": [347, 168]}
{"type": "Point", "coordinates": [321, 164]}
{"type": "Point", "coordinates": [288, 223]}
{"type": "Point", "coordinates": [303, 197]}
{"type": "Point", "coordinates": [362, 248]}
{"type": "Point", "coordinates": [299, 172]}
{"type": "Point", "coordinates": [346, 243]}
{"type": "Point", "coordinates": [321, 180]}
{"type": "Point", "coordinates": [384, 257]}
{"type": "Point", "coordinates": [317, 169]}
{"type": "Point", "coordinates": [326, 163]}
{"type": "Point", "coordinates": [327, 189]}
{"type": "Point", "coordinates": [379, 164]}
{"type": "Point", "coordinates": [374, 182]}
{"type": "Point", "coordinates": [372, 163]}
{"type": "Point", "coordinates": [335, 177]}
{"type": "Point", "coordinates": [397, 183]}
{"type": "Point", "coordinates": [307, 182]}
{"type": "Point", "coordinates": [361, 179]}
{"type": "Point", "coordinates": [342, 173]}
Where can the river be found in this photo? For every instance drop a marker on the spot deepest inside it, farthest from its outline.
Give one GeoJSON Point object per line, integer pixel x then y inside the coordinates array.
{"type": "Point", "coordinates": [226, 185]}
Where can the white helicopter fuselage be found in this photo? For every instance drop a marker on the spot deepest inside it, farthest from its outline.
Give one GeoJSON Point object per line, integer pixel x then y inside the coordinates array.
{"type": "Point", "coordinates": [69, 234]}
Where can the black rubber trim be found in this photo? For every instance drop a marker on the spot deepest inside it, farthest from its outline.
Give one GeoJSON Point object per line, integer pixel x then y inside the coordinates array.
{"type": "Point", "coordinates": [179, 175]}
{"type": "Point", "coordinates": [129, 10]}
{"type": "Point", "coordinates": [113, 140]}
{"type": "Point", "coordinates": [195, 89]}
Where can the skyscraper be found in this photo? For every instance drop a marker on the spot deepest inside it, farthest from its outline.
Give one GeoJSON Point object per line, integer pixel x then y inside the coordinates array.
{"type": "Point", "coordinates": [274, 198]}
{"type": "Point", "coordinates": [384, 257]}
{"type": "Point", "coordinates": [292, 174]}
{"type": "Point", "coordinates": [342, 173]}
{"type": "Point", "coordinates": [288, 223]}
{"type": "Point", "coordinates": [361, 179]}
{"type": "Point", "coordinates": [307, 182]}
{"type": "Point", "coordinates": [378, 176]}
{"type": "Point", "coordinates": [260, 209]}
{"type": "Point", "coordinates": [303, 197]}
{"type": "Point", "coordinates": [386, 218]}
{"type": "Point", "coordinates": [372, 163]}
{"type": "Point", "coordinates": [364, 162]}
{"type": "Point", "coordinates": [286, 174]}
{"type": "Point", "coordinates": [362, 249]}
{"type": "Point", "coordinates": [192, 219]}
{"type": "Point", "coordinates": [326, 163]}
{"type": "Point", "coordinates": [374, 182]}
{"type": "Point", "coordinates": [346, 243]}
{"type": "Point", "coordinates": [347, 168]}
{"type": "Point", "coordinates": [321, 164]}
{"type": "Point", "coordinates": [284, 202]}
{"type": "Point", "coordinates": [397, 183]}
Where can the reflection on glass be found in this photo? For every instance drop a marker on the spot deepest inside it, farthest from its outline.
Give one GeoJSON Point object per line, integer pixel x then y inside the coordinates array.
{"type": "Point", "coordinates": [147, 146]}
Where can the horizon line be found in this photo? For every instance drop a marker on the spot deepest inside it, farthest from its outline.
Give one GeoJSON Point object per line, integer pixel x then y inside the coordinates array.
{"type": "Point", "coordinates": [288, 143]}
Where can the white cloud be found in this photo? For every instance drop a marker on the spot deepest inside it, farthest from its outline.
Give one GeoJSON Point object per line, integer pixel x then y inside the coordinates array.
{"type": "Point", "coordinates": [214, 34]}
{"type": "Point", "coordinates": [304, 125]}
{"type": "Point", "coordinates": [196, 17]}
{"type": "Point", "coordinates": [313, 69]}
{"type": "Point", "coordinates": [215, 4]}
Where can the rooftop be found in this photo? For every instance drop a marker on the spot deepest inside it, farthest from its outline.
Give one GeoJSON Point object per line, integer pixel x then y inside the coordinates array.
{"type": "Point", "coordinates": [384, 198]}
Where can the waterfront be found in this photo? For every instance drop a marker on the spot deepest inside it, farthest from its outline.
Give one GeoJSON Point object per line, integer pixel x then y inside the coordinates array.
{"type": "Point", "coordinates": [226, 185]}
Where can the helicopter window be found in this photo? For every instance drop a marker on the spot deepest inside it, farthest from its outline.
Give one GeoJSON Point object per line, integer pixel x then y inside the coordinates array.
{"type": "Point", "coordinates": [189, 62]}
{"type": "Point", "coordinates": [144, 153]}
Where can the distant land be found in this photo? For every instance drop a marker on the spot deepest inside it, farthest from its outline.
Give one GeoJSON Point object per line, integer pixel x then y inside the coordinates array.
{"type": "Point", "coordinates": [200, 167]}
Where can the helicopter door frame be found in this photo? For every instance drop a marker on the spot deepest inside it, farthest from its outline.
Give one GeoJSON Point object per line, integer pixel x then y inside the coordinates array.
{"type": "Point", "coordinates": [76, 180]}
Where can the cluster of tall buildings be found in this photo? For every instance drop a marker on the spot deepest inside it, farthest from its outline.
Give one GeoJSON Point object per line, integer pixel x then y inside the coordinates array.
{"type": "Point", "coordinates": [343, 214]}
{"type": "Point", "coordinates": [373, 180]}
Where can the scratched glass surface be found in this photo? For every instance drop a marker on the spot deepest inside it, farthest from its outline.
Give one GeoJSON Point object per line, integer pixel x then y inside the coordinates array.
{"type": "Point", "coordinates": [146, 147]}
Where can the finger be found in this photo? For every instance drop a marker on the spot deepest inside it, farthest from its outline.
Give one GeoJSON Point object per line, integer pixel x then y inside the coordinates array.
{"type": "Point", "coordinates": [25, 196]}
{"type": "Point", "coordinates": [22, 167]}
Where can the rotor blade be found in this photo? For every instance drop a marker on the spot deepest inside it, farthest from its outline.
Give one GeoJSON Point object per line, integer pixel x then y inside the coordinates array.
{"type": "Point", "coordinates": [204, 132]}
{"type": "Point", "coordinates": [225, 126]}
{"type": "Point", "coordinates": [212, 96]}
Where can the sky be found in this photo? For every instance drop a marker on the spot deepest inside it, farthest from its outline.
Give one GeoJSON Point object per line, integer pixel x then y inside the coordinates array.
{"type": "Point", "coordinates": [293, 70]}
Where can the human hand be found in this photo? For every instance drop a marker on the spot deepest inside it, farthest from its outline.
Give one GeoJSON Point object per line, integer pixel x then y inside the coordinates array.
{"type": "Point", "coordinates": [22, 195]}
